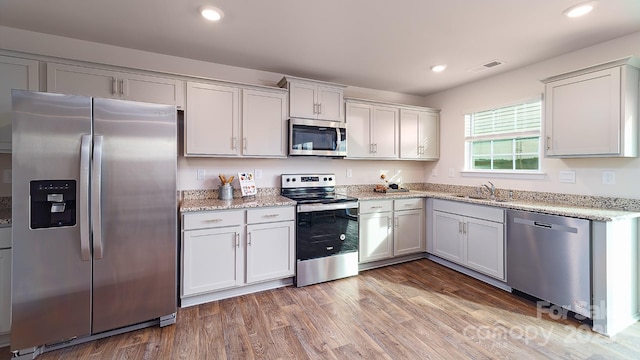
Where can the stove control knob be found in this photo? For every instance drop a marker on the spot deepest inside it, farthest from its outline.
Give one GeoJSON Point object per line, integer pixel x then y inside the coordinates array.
{"type": "Point", "coordinates": [325, 179]}
{"type": "Point", "coordinates": [330, 179]}
{"type": "Point", "coordinates": [288, 180]}
{"type": "Point", "coordinates": [294, 179]}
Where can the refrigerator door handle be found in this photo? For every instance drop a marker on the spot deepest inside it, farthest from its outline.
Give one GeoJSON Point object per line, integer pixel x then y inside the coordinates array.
{"type": "Point", "coordinates": [96, 197]}
{"type": "Point", "coordinates": [85, 232]}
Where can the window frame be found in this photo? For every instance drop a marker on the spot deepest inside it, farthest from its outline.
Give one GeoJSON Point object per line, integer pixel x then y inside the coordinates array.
{"type": "Point", "coordinates": [513, 136]}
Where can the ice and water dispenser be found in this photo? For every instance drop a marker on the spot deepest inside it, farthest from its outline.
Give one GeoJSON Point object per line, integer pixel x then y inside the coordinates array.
{"type": "Point", "coordinates": [53, 203]}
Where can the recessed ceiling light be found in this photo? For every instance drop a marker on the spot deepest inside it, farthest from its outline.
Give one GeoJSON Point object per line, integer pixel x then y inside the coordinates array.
{"type": "Point", "coordinates": [579, 9]}
{"type": "Point", "coordinates": [438, 68]}
{"type": "Point", "coordinates": [211, 13]}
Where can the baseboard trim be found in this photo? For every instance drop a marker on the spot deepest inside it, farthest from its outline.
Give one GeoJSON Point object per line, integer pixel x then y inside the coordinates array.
{"type": "Point", "coordinates": [233, 292]}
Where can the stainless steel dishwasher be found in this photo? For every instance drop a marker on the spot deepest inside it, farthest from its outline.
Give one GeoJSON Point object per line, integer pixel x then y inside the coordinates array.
{"type": "Point", "coordinates": [549, 257]}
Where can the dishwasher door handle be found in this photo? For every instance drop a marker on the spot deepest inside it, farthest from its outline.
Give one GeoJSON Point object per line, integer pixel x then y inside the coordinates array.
{"type": "Point", "coordinates": [546, 226]}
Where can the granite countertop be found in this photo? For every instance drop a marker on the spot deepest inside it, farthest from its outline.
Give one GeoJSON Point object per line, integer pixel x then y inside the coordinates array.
{"type": "Point", "coordinates": [5, 217]}
{"type": "Point", "coordinates": [575, 211]}
{"type": "Point", "coordinates": [190, 205]}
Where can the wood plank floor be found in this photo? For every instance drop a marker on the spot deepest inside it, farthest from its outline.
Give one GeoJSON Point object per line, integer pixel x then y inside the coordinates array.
{"type": "Point", "coordinates": [416, 310]}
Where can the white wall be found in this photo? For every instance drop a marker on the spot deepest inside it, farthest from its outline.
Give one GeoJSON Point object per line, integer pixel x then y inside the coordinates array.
{"type": "Point", "coordinates": [521, 84]}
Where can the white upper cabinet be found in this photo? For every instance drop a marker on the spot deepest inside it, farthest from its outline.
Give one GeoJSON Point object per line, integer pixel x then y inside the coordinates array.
{"type": "Point", "coordinates": [372, 131]}
{"type": "Point", "coordinates": [593, 112]}
{"type": "Point", "coordinates": [311, 99]}
{"type": "Point", "coordinates": [110, 84]}
{"type": "Point", "coordinates": [211, 124]}
{"type": "Point", "coordinates": [217, 126]}
{"type": "Point", "coordinates": [15, 73]}
{"type": "Point", "coordinates": [419, 134]}
{"type": "Point", "coordinates": [264, 123]}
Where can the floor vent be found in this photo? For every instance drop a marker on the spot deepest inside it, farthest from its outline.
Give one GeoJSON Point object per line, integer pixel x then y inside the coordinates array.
{"type": "Point", "coordinates": [490, 65]}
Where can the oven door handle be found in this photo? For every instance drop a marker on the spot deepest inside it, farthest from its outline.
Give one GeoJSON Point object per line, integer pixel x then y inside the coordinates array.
{"type": "Point", "coordinates": [322, 207]}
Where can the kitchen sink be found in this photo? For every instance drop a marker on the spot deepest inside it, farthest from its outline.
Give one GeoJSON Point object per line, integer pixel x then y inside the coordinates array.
{"type": "Point", "coordinates": [463, 196]}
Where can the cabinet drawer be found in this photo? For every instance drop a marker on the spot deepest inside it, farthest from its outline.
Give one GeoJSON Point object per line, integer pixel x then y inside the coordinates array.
{"type": "Point", "coordinates": [488, 213]}
{"type": "Point", "coordinates": [376, 206]}
{"type": "Point", "coordinates": [256, 216]}
{"type": "Point", "coordinates": [209, 219]}
{"type": "Point", "coordinates": [408, 204]}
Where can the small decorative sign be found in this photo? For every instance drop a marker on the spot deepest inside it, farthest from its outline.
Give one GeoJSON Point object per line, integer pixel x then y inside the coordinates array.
{"type": "Point", "coordinates": [247, 184]}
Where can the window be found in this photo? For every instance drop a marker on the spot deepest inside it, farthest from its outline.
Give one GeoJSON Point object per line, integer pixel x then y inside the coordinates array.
{"type": "Point", "coordinates": [504, 139]}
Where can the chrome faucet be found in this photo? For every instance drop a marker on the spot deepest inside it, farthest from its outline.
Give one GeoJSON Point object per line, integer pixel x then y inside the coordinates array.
{"type": "Point", "coordinates": [492, 189]}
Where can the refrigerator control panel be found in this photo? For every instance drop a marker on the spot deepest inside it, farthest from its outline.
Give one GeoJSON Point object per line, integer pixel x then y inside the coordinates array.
{"type": "Point", "coordinates": [53, 203]}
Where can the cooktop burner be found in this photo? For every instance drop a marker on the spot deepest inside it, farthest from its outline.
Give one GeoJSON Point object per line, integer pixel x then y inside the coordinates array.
{"type": "Point", "coordinates": [312, 188]}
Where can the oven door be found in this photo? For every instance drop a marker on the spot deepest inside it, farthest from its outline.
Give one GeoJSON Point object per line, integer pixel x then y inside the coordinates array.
{"type": "Point", "coordinates": [326, 229]}
{"type": "Point", "coordinates": [317, 138]}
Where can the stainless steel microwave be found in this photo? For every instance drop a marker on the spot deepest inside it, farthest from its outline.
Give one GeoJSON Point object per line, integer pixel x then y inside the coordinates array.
{"type": "Point", "coordinates": [317, 138]}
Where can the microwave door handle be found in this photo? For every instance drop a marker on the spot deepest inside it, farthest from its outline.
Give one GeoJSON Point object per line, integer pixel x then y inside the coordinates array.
{"type": "Point", "coordinates": [85, 232]}
{"type": "Point", "coordinates": [339, 140]}
{"type": "Point", "coordinates": [96, 197]}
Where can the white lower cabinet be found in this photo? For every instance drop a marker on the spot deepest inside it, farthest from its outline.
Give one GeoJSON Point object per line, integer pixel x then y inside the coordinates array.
{"type": "Point", "coordinates": [408, 232]}
{"type": "Point", "coordinates": [5, 290]}
{"type": "Point", "coordinates": [470, 235]}
{"type": "Point", "coordinates": [390, 228]}
{"type": "Point", "coordinates": [230, 249]}
{"type": "Point", "coordinates": [5, 281]}
{"type": "Point", "coordinates": [212, 260]}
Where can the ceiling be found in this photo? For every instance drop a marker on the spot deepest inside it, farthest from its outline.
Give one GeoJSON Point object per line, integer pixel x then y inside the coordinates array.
{"type": "Point", "coordinates": [378, 44]}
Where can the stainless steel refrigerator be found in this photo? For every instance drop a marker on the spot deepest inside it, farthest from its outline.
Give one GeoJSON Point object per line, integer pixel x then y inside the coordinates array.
{"type": "Point", "coordinates": [94, 218]}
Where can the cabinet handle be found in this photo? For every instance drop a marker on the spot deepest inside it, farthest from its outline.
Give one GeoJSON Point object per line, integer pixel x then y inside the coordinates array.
{"type": "Point", "coordinates": [114, 86]}
{"type": "Point", "coordinates": [319, 108]}
{"type": "Point", "coordinates": [234, 141]}
{"type": "Point", "coordinates": [375, 148]}
{"type": "Point", "coordinates": [315, 108]}
{"type": "Point", "coordinates": [464, 228]}
{"type": "Point", "coordinates": [371, 148]}
{"type": "Point", "coordinates": [395, 221]}
{"type": "Point", "coordinates": [237, 240]}
{"type": "Point", "coordinates": [249, 238]}
{"type": "Point", "coordinates": [271, 215]}
{"type": "Point", "coordinates": [122, 90]}
{"type": "Point", "coordinates": [375, 207]}
{"type": "Point", "coordinates": [212, 220]}
{"type": "Point", "coordinates": [244, 143]}
{"type": "Point", "coordinates": [548, 142]}
{"type": "Point", "coordinates": [460, 226]}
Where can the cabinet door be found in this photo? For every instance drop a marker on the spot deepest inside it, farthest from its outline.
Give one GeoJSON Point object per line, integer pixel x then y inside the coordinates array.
{"type": "Point", "coordinates": [152, 89]}
{"type": "Point", "coordinates": [330, 102]}
{"type": "Point", "coordinates": [80, 80]}
{"type": "Point", "coordinates": [15, 73]}
{"type": "Point", "coordinates": [212, 260]}
{"type": "Point", "coordinates": [359, 117]}
{"type": "Point", "coordinates": [447, 236]}
{"type": "Point", "coordinates": [5, 290]}
{"type": "Point", "coordinates": [270, 251]}
{"type": "Point", "coordinates": [582, 114]}
{"type": "Point", "coordinates": [376, 237]}
{"type": "Point", "coordinates": [409, 134]}
{"type": "Point", "coordinates": [302, 100]}
{"type": "Point", "coordinates": [211, 120]}
{"type": "Point", "coordinates": [429, 135]}
{"type": "Point", "coordinates": [485, 247]}
{"type": "Point", "coordinates": [264, 130]}
{"type": "Point", "coordinates": [384, 132]}
{"type": "Point", "coordinates": [408, 232]}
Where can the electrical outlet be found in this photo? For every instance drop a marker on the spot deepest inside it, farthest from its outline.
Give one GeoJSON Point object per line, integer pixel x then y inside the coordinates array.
{"type": "Point", "coordinates": [257, 174]}
{"type": "Point", "coordinates": [349, 173]}
{"type": "Point", "coordinates": [434, 173]}
{"type": "Point", "coordinates": [202, 173]}
{"type": "Point", "coordinates": [567, 176]}
{"type": "Point", "coordinates": [608, 177]}
{"type": "Point", "coordinates": [452, 172]}
{"type": "Point", "coordinates": [6, 176]}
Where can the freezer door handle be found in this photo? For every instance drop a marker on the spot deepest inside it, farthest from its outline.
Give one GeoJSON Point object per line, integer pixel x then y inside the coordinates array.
{"type": "Point", "coordinates": [85, 232]}
{"type": "Point", "coordinates": [96, 197]}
